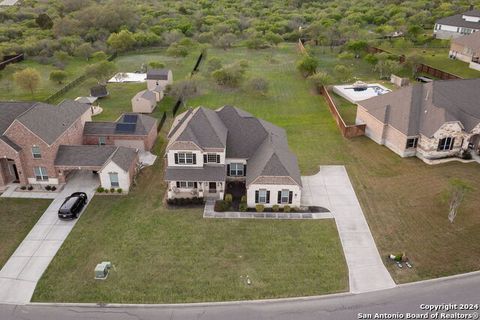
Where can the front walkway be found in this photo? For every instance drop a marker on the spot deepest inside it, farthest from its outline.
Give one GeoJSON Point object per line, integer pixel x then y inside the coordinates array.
{"type": "Point", "coordinates": [331, 189]}
{"type": "Point", "coordinates": [20, 274]}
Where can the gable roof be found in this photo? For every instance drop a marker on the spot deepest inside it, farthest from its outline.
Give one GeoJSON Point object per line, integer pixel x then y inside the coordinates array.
{"type": "Point", "coordinates": [157, 74]}
{"type": "Point", "coordinates": [472, 13]}
{"type": "Point", "coordinates": [9, 111]}
{"type": "Point", "coordinates": [471, 41]}
{"type": "Point", "coordinates": [147, 95]}
{"type": "Point", "coordinates": [124, 157]}
{"type": "Point", "coordinates": [263, 144]}
{"type": "Point", "coordinates": [424, 108]}
{"type": "Point", "coordinates": [142, 126]}
{"type": "Point", "coordinates": [49, 122]}
{"type": "Point", "coordinates": [457, 20]}
{"type": "Point", "coordinates": [99, 91]}
{"type": "Point", "coordinates": [10, 143]}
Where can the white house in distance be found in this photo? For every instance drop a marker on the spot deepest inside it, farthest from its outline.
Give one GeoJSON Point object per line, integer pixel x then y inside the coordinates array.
{"type": "Point", "coordinates": [457, 25]}
{"type": "Point", "coordinates": [211, 151]}
{"type": "Point", "coordinates": [158, 77]}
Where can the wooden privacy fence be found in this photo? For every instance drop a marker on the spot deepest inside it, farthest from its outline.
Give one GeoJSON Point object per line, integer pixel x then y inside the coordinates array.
{"type": "Point", "coordinates": [348, 131]}
{"type": "Point", "coordinates": [162, 121]}
{"type": "Point", "coordinates": [11, 59]}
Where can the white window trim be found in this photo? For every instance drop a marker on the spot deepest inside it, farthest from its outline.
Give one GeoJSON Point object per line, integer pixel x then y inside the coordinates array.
{"type": "Point", "coordinates": [213, 156]}
{"type": "Point", "coordinates": [36, 155]}
{"type": "Point", "coordinates": [287, 197]}
{"type": "Point", "coordinates": [114, 184]}
{"type": "Point", "coordinates": [264, 196]}
{"type": "Point", "coordinates": [42, 173]}
{"type": "Point", "coordinates": [236, 169]}
{"type": "Point", "coordinates": [448, 144]}
{"type": "Point", "coordinates": [185, 158]}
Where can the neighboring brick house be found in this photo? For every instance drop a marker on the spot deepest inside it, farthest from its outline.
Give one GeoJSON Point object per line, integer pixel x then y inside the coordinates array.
{"type": "Point", "coordinates": [431, 120]}
{"type": "Point", "coordinates": [132, 130]}
{"type": "Point", "coordinates": [36, 139]}
{"type": "Point", "coordinates": [457, 25]}
{"type": "Point", "coordinates": [467, 49]}
{"type": "Point", "coordinates": [211, 150]}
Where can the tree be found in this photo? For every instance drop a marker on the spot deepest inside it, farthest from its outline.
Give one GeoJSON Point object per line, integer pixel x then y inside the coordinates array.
{"type": "Point", "coordinates": [343, 73]}
{"type": "Point", "coordinates": [256, 42]}
{"type": "Point", "coordinates": [156, 65]}
{"type": "Point", "coordinates": [214, 64]}
{"type": "Point", "coordinates": [226, 41]}
{"type": "Point", "coordinates": [386, 67]}
{"type": "Point", "coordinates": [101, 70]}
{"type": "Point", "coordinates": [273, 38]}
{"type": "Point", "coordinates": [58, 76]}
{"type": "Point", "coordinates": [413, 32]}
{"type": "Point", "coordinates": [185, 89]}
{"type": "Point", "coordinates": [99, 56]}
{"type": "Point", "coordinates": [121, 41]}
{"type": "Point", "coordinates": [84, 50]}
{"type": "Point", "coordinates": [258, 85]}
{"type": "Point", "coordinates": [230, 75]}
{"type": "Point", "coordinates": [177, 49]}
{"type": "Point", "coordinates": [44, 21]}
{"type": "Point", "coordinates": [457, 191]}
{"type": "Point", "coordinates": [320, 79]}
{"type": "Point", "coordinates": [307, 65]}
{"type": "Point", "coordinates": [357, 46]}
{"type": "Point", "coordinates": [413, 62]}
{"type": "Point", "coordinates": [27, 79]}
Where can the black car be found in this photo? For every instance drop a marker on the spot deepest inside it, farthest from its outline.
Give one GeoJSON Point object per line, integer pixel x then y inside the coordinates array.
{"type": "Point", "coordinates": [73, 205]}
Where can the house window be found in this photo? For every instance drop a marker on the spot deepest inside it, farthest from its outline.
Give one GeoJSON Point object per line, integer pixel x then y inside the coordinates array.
{"type": "Point", "coordinates": [236, 169]}
{"type": "Point", "coordinates": [445, 144]}
{"type": "Point", "coordinates": [412, 143]}
{"type": "Point", "coordinates": [212, 157]}
{"type": "Point", "coordinates": [285, 195]}
{"type": "Point", "coordinates": [102, 141]}
{"type": "Point", "coordinates": [36, 152]}
{"type": "Point", "coordinates": [186, 184]}
{"type": "Point", "coordinates": [40, 173]}
{"type": "Point", "coordinates": [113, 179]}
{"type": "Point", "coordinates": [262, 196]}
{"type": "Point", "coordinates": [185, 158]}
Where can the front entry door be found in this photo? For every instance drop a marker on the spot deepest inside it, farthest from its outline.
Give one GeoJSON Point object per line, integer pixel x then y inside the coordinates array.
{"type": "Point", "coordinates": [212, 187]}
{"type": "Point", "coordinates": [15, 171]}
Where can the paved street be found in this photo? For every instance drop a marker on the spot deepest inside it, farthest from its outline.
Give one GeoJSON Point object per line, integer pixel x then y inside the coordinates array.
{"type": "Point", "coordinates": [21, 272]}
{"type": "Point", "coordinates": [402, 299]}
{"type": "Point", "coordinates": [331, 188]}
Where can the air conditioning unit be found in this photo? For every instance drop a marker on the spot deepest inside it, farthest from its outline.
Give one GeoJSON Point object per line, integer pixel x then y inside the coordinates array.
{"type": "Point", "coordinates": [102, 269]}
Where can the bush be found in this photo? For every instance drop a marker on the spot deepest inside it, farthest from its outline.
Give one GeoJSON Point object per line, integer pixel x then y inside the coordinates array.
{"type": "Point", "coordinates": [275, 208]}
{"type": "Point", "coordinates": [23, 188]}
{"type": "Point", "coordinates": [287, 209]}
{"type": "Point", "coordinates": [58, 76]}
{"type": "Point", "coordinates": [100, 189]}
{"type": "Point", "coordinates": [258, 85]}
{"type": "Point", "coordinates": [466, 154]}
{"type": "Point", "coordinates": [346, 56]}
{"type": "Point", "coordinates": [185, 201]}
{"type": "Point", "coordinates": [260, 207]}
{"type": "Point", "coordinates": [48, 188]}
{"type": "Point", "coordinates": [105, 190]}
{"type": "Point", "coordinates": [53, 188]}
{"type": "Point", "coordinates": [119, 190]}
{"type": "Point", "coordinates": [228, 198]}
{"type": "Point", "coordinates": [220, 206]}
{"type": "Point", "coordinates": [112, 190]}
{"type": "Point", "coordinates": [30, 188]}
{"type": "Point", "coordinates": [214, 64]}
{"type": "Point", "coordinates": [243, 199]}
{"type": "Point", "coordinates": [243, 207]}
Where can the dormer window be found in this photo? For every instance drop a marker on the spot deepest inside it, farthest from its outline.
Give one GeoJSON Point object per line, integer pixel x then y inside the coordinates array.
{"type": "Point", "coordinates": [36, 153]}
{"type": "Point", "coordinates": [185, 158]}
{"type": "Point", "coordinates": [211, 158]}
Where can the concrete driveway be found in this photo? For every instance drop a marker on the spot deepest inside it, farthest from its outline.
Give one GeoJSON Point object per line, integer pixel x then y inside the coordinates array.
{"type": "Point", "coordinates": [20, 274]}
{"type": "Point", "coordinates": [331, 188]}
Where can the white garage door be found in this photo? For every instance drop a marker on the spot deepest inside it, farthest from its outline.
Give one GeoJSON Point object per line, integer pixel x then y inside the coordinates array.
{"type": "Point", "coordinates": [136, 144]}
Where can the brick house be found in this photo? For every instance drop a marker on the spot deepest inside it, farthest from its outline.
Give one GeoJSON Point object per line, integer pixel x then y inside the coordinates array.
{"type": "Point", "coordinates": [211, 152]}
{"type": "Point", "coordinates": [34, 136]}
{"type": "Point", "coordinates": [430, 120]}
{"type": "Point", "coordinates": [467, 49]}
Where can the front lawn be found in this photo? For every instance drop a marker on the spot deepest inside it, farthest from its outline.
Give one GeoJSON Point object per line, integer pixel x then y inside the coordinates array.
{"type": "Point", "coordinates": [17, 217]}
{"type": "Point", "coordinates": [163, 256]}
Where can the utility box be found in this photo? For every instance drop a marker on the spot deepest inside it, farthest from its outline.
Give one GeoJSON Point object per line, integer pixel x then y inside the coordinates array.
{"type": "Point", "coordinates": [102, 269]}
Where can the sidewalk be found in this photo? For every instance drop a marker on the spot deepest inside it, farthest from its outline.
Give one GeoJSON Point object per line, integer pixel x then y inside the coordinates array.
{"type": "Point", "coordinates": [331, 188]}
{"type": "Point", "coordinates": [20, 274]}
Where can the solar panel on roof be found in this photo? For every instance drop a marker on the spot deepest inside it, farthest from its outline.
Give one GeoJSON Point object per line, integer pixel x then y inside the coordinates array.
{"type": "Point", "coordinates": [125, 127]}
{"type": "Point", "coordinates": [130, 118]}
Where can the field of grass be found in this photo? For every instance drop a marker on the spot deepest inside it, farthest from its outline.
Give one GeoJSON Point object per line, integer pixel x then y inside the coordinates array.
{"type": "Point", "coordinates": [437, 58]}
{"type": "Point", "coordinates": [17, 217]}
{"type": "Point", "coordinates": [347, 110]}
{"type": "Point", "coordinates": [10, 91]}
{"type": "Point", "coordinates": [163, 255]}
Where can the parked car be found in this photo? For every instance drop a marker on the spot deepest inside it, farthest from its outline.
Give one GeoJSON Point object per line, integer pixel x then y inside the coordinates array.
{"type": "Point", "coordinates": [72, 206]}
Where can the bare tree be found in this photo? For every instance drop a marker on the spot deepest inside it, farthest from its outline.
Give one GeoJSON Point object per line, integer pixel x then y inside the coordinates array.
{"type": "Point", "coordinates": [457, 191]}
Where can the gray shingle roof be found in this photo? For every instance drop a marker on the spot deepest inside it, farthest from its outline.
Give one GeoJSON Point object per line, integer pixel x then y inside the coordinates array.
{"type": "Point", "coordinates": [471, 41]}
{"type": "Point", "coordinates": [9, 142]}
{"type": "Point", "coordinates": [147, 95]}
{"type": "Point", "coordinates": [157, 74]}
{"type": "Point", "coordinates": [458, 21]}
{"type": "Point", "coordinates": [50, 122]}
{"type": "Point", "coordinates": [83, 155]}
{"type": "Point", "coordinates": [206, 173]}
{"type": "Point", "coordinates": [143, 126]}
{"type": "Point", "coordinates": [99, 91]}
{"type": "Point", "coordinates": [9, 111]}
{"type": "Point", "coordinates": [424, 108]}
{"type": "Point", "coordinates": [124, 157]}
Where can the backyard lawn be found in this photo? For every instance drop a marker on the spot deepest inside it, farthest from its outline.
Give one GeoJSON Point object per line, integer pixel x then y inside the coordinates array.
{"type": "Point", "coordinates": [347, 110]}
{"type": "Point", "coordinates": [17, 217]}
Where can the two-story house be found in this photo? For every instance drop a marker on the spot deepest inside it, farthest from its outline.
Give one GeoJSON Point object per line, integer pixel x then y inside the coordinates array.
{"type": "Point", "coordinates": [208, 150]}
{"type": "Point", "coordinates": [431, 120]}
{"type": "Point", "coordinates": [457, 25]}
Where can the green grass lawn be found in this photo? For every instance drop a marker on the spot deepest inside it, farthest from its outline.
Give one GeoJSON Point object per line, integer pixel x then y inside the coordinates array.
{"type": "Point", "coordinates": [163, 255]}
{"type": "Point", "coordinates": [347, 110]}
{"type": "Point", "coordinates": [17, 217]}
{"type": "Point", "coordinates": [10, 91]}
{"type": "Point", "coordinates": [438, 58]}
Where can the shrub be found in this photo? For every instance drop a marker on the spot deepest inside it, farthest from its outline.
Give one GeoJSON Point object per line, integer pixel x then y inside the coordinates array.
{"type": "Point", "coordinates": [23, 188]}
{"type": "Point", "coordinates": [220, 206]}
{"type": "Point", "coordinates": [260, 207]}
{"type": "Point", "coordinates": [307, 66]}
{"type": "Point", "coordinates": [287, 209]}
{"type": "Point", "coordinates": [100, 189]}
{"type": "Point", "coordinates": [53, 188]}
{"type": "Point", "coordinates": [228, 198]}
{"type": "Point", "coordinates": [214, 64]}
{"type": "Point", "coordinates": [275, 208]}
{"type": "Point", "coordinates": [48, 188]}
{"type": "Point", "coordinates": [243, 199]}
{"type": "Point", "coordinates": [58, 76]}
{"type": "Point", "coordinates": [258, 85]}
{"type": "Point", "coordinates": [30, 188]}
{"type": "Point", "coordinates": [346, 56]}
{"type": "Point", "coordinates": [105, 190]}
{"type": "Point", "coordinates": [243, 207]}
{"type": "Point", "coordinates": [119, 190]}
{"type": "Point", "coordinates": [112, 190]}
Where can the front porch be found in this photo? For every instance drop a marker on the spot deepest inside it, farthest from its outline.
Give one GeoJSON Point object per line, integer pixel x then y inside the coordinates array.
{"type": "Point", "coordinates": [199, 189]}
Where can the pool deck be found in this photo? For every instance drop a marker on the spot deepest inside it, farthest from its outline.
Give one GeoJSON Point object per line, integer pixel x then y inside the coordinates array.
{"type": "Point", "coordinates": [347, 92]}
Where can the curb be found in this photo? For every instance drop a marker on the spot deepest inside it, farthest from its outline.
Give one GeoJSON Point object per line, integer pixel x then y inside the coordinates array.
{"type": "Point", "coordinates": [442, 279]}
